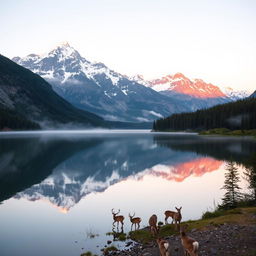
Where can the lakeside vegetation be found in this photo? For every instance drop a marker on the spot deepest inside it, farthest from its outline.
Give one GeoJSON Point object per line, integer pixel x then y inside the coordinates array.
{"type": "Point", "coordinates": [239, 115]}
{"type": "Point", "coordinates": [241, 215]}
{"type": "Point", "coordinates": [228, 132]}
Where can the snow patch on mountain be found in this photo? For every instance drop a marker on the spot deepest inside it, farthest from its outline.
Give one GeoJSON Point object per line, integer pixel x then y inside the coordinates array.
{"type": "Point", "coordinates": [235, 94]}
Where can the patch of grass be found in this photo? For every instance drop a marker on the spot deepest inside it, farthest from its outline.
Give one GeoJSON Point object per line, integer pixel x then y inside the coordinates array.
{"type": "Point", "coordinates": [208, 214]}
{"type": "Point", "coordinates": [222, 131]}
{"type": "Point", "coordinates": [225, 131]}
{"type": "Point", "coordinates": [110, 249]}
{"type": "Point", "coordinates": [220, 212]}
{"type": "Point", "coordinates": [237, 215]}
{"type": "Point", "coordinates": [142, 235]}
{"type": "Point", "coordinates": [122, 237]}
{"type": "Point", "coordinates": [168, 230]}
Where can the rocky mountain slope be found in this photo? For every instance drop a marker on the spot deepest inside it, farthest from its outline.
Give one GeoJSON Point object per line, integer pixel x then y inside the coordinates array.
{"type": "Point", "coordinates": [98, 89]}
{"type": "Point", "coordinates": [31, 96]}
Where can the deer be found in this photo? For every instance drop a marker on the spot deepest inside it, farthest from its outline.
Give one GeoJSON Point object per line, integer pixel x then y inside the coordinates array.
{"type": "Point", "coordinates": [189, 244]}
{"type": "Point", "coordinates": [152, 224]}
{"type": "Point", "coordinates": [163, 247]}
{"type": "Point", "coordinates": [176, 216]}
{"type": "Point", "coordinates": [117, 218]}
{"type": "Point", "coordinates": [135, 221]}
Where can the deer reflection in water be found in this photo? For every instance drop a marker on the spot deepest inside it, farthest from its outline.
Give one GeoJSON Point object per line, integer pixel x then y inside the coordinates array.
{"type": "Point", "coordinates": [118, 235]}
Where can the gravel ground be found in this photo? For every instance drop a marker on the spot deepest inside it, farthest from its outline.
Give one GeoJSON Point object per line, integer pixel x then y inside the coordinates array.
{"type": "Point", "coordinates": [222, 240]}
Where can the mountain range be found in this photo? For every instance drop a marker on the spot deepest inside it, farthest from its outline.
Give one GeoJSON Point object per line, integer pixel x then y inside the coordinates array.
{"type": "Point", "coordinates": [27, 97]}
{"type": "Point", "coordinates": [96, 88]}
{"type": "Point", "coordinates": [197, 88]}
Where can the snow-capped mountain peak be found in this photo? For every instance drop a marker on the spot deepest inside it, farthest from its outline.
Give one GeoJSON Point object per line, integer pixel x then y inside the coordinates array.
{"type": "Point", "coordinates": [235, 94]}
{"type": "Point", "coordinates": [179, 83]}
{"type": "Point", "coordinates": [64, 51]}
{"type": "Point", "coordinates": [96, 88]}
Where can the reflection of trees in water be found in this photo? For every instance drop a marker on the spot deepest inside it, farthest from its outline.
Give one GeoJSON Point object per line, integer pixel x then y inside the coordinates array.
{"type": "Point", "coordinates": [250, 175]}
{"type": "Point", "coordinates": [227, 149]}
{"type": "Point", "coordinates": [233, 150]}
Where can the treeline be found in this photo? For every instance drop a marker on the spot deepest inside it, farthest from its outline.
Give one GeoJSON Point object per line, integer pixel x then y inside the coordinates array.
{"type": "Point", "coordinates": [11, 120]}
{"type": "Point", "coordinates": [239, 115]}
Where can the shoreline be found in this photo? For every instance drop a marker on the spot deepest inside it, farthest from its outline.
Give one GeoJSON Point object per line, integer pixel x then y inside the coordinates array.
{"type": "Point", "coordinates": [231, 234]}
{"type": "Point", "coordinates": [219, 132]}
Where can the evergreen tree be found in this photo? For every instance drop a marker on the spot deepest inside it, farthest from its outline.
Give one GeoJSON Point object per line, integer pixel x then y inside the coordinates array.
{"type": "Point", "coordinates": [234, 115]}
{"type": "Point", "coordinates": [250, 175]}
{"type": "Point", "coordinates": [232, 195]}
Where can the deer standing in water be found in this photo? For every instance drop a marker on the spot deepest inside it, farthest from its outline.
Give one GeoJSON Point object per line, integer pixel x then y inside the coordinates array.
{"type": "Point", "coordinates": [135, 221]}
{"type": "Point", "coordinates": [176, 216]}
{"type": "Point", "coordinates": [152, 224]}
{"type": "Point", "coordinates": [163, 247]}
{"type": "Point", "coordinates": [117, 218]}
{"type": "Point", "coordinates": [189, 244]}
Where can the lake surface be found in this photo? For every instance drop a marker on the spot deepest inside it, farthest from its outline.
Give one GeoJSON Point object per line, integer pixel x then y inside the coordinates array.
{"type": "Point", "coordinates": [57, 189]}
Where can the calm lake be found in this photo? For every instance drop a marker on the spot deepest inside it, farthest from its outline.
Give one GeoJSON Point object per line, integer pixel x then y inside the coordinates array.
{"type": "Point", "coordinates": [57, 189]}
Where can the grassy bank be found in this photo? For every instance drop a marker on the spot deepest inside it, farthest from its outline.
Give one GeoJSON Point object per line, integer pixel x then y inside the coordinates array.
{"type": "Point", "coordinates": [209, 220]}
{"type": "Point", "coordinates": [227, 132]}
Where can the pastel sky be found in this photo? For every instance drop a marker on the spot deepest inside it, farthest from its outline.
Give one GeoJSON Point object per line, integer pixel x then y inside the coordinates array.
{"type": "Point", "coordinates": [212, 40]}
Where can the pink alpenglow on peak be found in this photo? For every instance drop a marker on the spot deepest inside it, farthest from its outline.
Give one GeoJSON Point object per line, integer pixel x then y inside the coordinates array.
{"type": "Point", "coordinates": [181, 84]}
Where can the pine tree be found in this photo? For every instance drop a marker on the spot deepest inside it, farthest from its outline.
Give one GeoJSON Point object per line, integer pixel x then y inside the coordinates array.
{"type": "Point", "coordinates": [232, 195]}
{"type": "Point", "coordinates": [250, 175]}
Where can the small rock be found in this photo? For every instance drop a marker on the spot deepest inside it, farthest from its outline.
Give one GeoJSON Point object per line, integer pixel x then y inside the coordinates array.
{"type": "Point", "coordinates": [109, 242]}
{"type": "Point", "coordinates": [128, 244]}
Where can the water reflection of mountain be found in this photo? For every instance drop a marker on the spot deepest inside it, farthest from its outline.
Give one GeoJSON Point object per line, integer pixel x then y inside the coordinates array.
{"type": "Point", "coordinates": [65, 170]}
{"type": "Point", "coordinates": [96, 168]}
{"type": "Point", "coordinates": [179, 172]}
{"type": "Point", "coordinates": [25, 162]}
{"type": "Point", "coordinates": [28, 161]}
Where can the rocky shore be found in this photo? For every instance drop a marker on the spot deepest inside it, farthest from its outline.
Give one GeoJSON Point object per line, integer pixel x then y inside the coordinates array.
{"type": "Point", "coordinates": [237, 236]}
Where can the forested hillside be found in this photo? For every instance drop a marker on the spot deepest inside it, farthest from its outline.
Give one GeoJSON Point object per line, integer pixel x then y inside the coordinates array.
{"type": "Point", "coordinates": [236, 115]}
{"type": "Point", "coordinates": [12, 120]}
